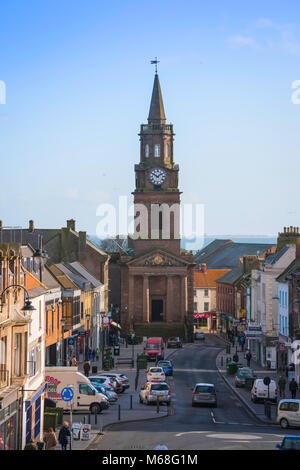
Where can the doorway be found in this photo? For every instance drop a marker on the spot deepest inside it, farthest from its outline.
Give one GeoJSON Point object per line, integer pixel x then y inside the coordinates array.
{"type": "Point", "coordinates": [157, 309]}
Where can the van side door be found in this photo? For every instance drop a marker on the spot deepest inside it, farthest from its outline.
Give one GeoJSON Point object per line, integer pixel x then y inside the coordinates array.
{"type": "Point", "coordinates": [85, 396]}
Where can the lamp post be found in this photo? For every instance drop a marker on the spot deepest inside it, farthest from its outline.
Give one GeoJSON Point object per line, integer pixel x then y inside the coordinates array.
{"type": "Point", "coordinates": [87, 316]}
{"type": "Point", "coordinates": [28, 307]}
{"type": "Point", "coordinates": [63, 322]}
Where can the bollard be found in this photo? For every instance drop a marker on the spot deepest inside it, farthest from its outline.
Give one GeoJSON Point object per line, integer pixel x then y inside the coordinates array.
{"type": "Point", "coordinates": [84, 419]}
{"type": "Point", "coordinates": [222, 361]}
{"type": "Point", "coordinates": [119, 412]}
{"type": "Point", "coordinates": [131, 402]}
{"type": "Point", "coordinates": [95, 412]}
{"type": "Point", "coordinates": [157, 405]}
{"type": "Point", "coordinates": [89, 417]}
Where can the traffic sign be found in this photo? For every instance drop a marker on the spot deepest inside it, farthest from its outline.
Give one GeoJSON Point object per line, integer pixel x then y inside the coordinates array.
{"type": "Point", "coordinates": [267, 380]}
{"type": "Point", "coordinates": [67, 394]}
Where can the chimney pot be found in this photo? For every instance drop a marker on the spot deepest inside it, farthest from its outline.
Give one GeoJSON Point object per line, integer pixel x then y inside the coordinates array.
{"type": "Point", "coordinates": [71, 224]}
{"type": "Point", "coordinates": [31, 226]}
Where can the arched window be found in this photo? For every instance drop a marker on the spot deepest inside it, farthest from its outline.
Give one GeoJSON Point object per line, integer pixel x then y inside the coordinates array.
{"type": "Point", "coordinates": [157, 150]}
{"type": "Point", "coordinates": [147, 150]}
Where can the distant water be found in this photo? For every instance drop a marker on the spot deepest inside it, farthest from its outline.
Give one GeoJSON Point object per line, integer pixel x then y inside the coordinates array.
{"type": "Point", "coordinates": [202, 242]}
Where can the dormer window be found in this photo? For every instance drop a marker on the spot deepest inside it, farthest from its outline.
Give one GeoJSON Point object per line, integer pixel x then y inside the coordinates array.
{"type": "Point", "coordinates": [147, 150]}
{"type": "Point", "coordinates": [157, 150]}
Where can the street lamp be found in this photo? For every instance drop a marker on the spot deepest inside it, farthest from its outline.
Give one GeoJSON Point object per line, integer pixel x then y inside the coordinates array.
{"type": "Point", "coordinates": [40, 256]}
{"type": "Point", "coordinates": [28, 307]}
{"type": "Point", "coordinates": [87, 316]}
{"type": "Point", "coordinates": [63, 322]}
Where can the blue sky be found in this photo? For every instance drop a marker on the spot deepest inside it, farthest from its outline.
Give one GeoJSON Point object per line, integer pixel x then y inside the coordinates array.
{"type": "Point", "coordinates": [79, 82]}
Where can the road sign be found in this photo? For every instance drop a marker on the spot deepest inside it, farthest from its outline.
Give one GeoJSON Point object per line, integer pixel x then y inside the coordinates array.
{"type": "Point", "coordinates": [67, 394]}
{"type": "Point", "coordinates": [267, 380]}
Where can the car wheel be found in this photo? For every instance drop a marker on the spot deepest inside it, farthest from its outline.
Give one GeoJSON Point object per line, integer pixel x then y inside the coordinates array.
{"type": "Point", "coordinates": [148, 402]}
{"type": "Point", "coordinates": [284, 423]}
{"type": "Point", "coordinates": [141, 401]}
{"type": "Point", "coordinates": [95, 408]}
{"type": "Point", "coordinates": [254, 399]}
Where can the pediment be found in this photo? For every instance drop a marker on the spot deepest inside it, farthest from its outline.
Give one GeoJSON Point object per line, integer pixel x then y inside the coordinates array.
{"type": "Point", "coordinates": [158, 258]}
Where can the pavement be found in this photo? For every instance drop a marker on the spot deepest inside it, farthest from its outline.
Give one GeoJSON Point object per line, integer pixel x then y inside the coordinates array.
{"type": "Point", "coordinates": [138, 412]}
{"type": "Point", "coordinates": [256, 409]}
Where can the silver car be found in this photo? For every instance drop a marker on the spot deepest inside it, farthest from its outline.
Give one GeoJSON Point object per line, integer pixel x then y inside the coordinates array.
{"type": "Point", "coordinates": [204, 394]}
{"type": "Point", "coordinates": [153, 391]}
{"type": "Point", "coordinates": [199, 335]}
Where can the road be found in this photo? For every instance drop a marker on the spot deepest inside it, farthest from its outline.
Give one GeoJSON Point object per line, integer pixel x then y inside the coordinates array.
{"type": "Point", "coordinates": [229, 426]}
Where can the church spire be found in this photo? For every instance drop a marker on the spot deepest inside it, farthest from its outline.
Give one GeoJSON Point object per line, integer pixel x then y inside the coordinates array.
{"type": "Point", "coordinates": [157, 112]}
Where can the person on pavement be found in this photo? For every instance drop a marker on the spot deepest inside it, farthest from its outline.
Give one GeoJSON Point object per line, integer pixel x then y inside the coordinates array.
{"type": "Point", "coordinates": [86, 368]}
{"type": "Point", "coordinates": [293, 387]}
{"type": "Point", "coordinates": [281, 386]}
{"type": "Point", "coordinates": [97, 354]}
{"type": "Point", "coordinates": [64, 435]}
{"type": "Point", "coordinates": [31, 445]}
{"type": "Point", "coordinates": [50, 440]}
{"type": "Point", "coordinates": [74, 361]}
{"type": "Point", "coordinates": [248, 358]}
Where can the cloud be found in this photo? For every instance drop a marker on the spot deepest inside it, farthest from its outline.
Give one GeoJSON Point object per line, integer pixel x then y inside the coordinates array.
{"type": "Point", "coordinates": [242, 41]}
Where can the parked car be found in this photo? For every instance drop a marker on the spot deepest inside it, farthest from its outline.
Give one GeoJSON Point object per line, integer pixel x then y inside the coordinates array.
{"type": "Point", "coordinates": [174, 342]}
{"type": "Point", "coordinates": [242, 374]}
{"type": "Point", "coordinates": [204, 394]}
{"type": "Point", "coordinates": [103, 381]}
{"type": "Point", "coordinates": [166, 366]}
{"type": "Point", "coordinates": [199, 335]}
{"type": "Point", "coordinates": [259, 391]}
{"type": "Point", "coordinates": [289, 443]}
{"type": "Point", "coordinates": [288, 413]}
{"type": "Point", "coordinates": [121, 377]}
{"type": "Point", "coordinates": [121, 387]}
{"type": "Point", "coordinates": [111, 396]}
{"type": "Point", "coordinates": [150, 392]}
{"type": "Point", "coordinates": [117, 384]}
{"type": "Point", "coordinates": [156, 374]}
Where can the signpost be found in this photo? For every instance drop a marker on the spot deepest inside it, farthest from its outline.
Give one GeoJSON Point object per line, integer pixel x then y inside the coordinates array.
{"type": "Point", "coordinates": [67, 395]}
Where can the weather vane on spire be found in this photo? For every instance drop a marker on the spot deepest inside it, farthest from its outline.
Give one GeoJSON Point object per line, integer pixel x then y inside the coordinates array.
{"type": "Point", "coordinates": [155, 62]}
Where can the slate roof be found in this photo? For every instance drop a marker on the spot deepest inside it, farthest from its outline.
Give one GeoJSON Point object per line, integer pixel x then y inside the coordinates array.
{"type": "Point", "coordinates": [274, 257]}
{"type": "Point", "coordinates": [232, 276]}
{"type": "Point", "coordinates": [292, 268]}
{"type": "Point", "coordinates": [83, 272]}
{"type": "Point", "coordinates": [75, 277]}
{"type": "Point", "coordinates": [63, 280]}
{"type": "Point", "coordinates": [227, 254]}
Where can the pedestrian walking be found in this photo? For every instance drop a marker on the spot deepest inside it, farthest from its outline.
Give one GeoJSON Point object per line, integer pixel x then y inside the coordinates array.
{"type": "Point", "coordinates": [248, 358]}
{"type": "Point", "coordinates": [86, 368]}
{"type": "Point", "coordinates": [97, 354]}
{"type": "Point", "coordinates": [31, 445]}
{"type": "Point", "coordinates": [281, 386]}
{"type": "Point", "coordinates": [64, 436]}
{"type": "Point", "coordinates": [242, 342]}
{"type": "Point", "coordinates": [74, 361]}
{"type": "Point", "coordinates": [93, 355]}
{"type": "Point", "coordinates": [50, 440]}
{"type": "Point", "coordinates": [293, 387]}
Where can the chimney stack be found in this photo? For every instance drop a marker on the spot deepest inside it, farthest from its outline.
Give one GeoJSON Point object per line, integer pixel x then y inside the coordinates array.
{"type": "Point", "coordinates": [203, 267]}
{"type": "Point", "coordinates": [31, 226]}
{"type": "Point", "coordinates": [71, 224]}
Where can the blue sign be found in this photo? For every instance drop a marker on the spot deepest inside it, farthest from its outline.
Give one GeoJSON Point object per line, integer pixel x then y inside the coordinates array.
{"type": "Point", "coordinates": [71, 341]}
{"type": "Point", "coordinates": [67, 394]}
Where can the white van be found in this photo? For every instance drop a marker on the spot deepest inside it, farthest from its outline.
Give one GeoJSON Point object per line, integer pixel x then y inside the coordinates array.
{"type": "Point", "coordinates": [288, 413]}
{"type": "Point", "coordinates": [85, 397]}
{"type": "Point", "coordinates": [259, 391]}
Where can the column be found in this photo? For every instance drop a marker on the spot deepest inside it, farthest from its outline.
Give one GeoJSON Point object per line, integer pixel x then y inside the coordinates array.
{"type": "Point", "coordinates": [131, 297]}
{"type": "Point", "coordinates": [146, 299]}
{"type": "Point", "coordinates": [169, 306]}
{"type": "Point", "coordinates": [183, 296]}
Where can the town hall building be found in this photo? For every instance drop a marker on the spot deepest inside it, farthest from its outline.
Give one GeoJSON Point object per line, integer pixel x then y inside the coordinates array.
{"type": "Point", "coordinates": [157, 280]}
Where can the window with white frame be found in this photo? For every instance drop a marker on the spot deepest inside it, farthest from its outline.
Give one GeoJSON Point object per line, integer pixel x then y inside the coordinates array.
{"type": "Point", "coordinates": [147, 150]}
{"type": "Point", "coordinates": [34, 361]}
{"type": "Point", "coordinates": [206, 293]}
{"type": "Point", "coordinates": [206, 306]}
{"type": "Point", "coordinates": [157, 150]}
{"type": "Point", "coordinates": [195, 307]}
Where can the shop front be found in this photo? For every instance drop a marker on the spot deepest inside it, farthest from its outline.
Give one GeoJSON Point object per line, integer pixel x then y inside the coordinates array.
{"type": "Point", "coordinates": [34, 416]}
{"type": "Point", "coordinates": [9, 425]}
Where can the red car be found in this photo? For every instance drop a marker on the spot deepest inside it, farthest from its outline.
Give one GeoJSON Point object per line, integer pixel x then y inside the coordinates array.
{"type": "Point", "coordinates": [174, 342]}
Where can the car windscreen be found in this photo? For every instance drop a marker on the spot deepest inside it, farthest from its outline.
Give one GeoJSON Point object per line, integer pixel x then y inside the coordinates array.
{"type": "Point", "coordinates": [164, 364]}
{"type": "Point", "coordinates": [152, 346]}
{"type": "Point", "coordinates": [245, 373]}
{"type": "Point", "coordinates": [291, 444]}
{"type": "Point", "coordinates": [155, 370]}
{"type": "Point", "coordinates": [159, 387]}
{"type": "Point", "coordinates": [204, 389]}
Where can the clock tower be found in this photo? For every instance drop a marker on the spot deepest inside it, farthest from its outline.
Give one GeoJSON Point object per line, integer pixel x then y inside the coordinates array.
{"type": "Point", "coordinates": [157, 182]}
{"type": "Point", "coordinates": [157, 279]}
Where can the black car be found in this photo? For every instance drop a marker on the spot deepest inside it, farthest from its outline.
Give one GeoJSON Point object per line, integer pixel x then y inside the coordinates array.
{"type": "Point", "coordinates": [174, 342]}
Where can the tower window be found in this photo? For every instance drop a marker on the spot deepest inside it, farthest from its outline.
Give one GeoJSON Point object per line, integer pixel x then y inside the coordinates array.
{"type": "Point", "coordinates": [157, 150]}
{"type": "Point", "coordinates": [147, 150]}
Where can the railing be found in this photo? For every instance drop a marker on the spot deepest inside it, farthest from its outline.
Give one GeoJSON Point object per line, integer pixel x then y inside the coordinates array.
{"type": "Point", "coordinates": [157, 127]}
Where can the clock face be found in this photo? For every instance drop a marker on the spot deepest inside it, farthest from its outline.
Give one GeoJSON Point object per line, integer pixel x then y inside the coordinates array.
{"type": "Point", "coordinates": [157, 176]}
